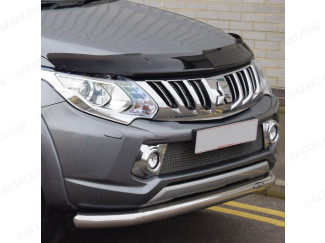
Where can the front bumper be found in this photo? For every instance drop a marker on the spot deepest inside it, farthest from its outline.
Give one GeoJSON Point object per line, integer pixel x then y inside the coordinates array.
{"type": "Point", "coordinates": [178, 207]}
{"type": "Point", "coordinates": [97, 156]}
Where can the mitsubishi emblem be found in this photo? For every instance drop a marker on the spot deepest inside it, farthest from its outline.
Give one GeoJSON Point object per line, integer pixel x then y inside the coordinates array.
{"type": "Point", "coordinates": [221, 95]}
{"type": "Point", "coordinates": [218, 94]}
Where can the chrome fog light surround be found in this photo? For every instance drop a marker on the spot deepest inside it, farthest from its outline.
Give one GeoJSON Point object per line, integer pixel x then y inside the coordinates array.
{"type": "Point", "coordinates": [149, 160]}
{"type": "Point", "coordinates": [271, 132]}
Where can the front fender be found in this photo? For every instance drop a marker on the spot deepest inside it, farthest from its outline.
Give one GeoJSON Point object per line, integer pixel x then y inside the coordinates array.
{"type": "Point", "coordinates": [53, 185]}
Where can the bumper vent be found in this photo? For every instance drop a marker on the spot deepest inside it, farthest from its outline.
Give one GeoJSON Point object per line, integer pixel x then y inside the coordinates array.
{"type": "Point", "coordinates": [180, 157]}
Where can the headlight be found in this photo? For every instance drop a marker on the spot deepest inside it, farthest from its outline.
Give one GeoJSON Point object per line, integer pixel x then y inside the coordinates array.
{"type": "Point", "coordinates": [119, 100]}
{"type": "Point", "coordinates": [264, 86]}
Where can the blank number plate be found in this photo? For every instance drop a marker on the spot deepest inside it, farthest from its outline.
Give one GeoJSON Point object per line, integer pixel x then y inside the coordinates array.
{"type": "Point", "coordinates": [225, 136]}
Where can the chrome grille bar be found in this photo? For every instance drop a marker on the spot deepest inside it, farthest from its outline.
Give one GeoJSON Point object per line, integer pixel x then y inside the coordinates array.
{"type": "Point", "coordinates": [232, 88]}
{"type": "Point", "coordinates": [200, 93]}
{"type": "Point", "coordinates": [242, 82]}
{"type": "Point", "coordinates": [250, 87]}
{"type": "Point", "coordinates": [212, 97]}
{"type": "Point", "coordinates": [163, 93]}
{"type": "Point", "coordinates": [251, 76]}
{"type": "Point", "coordinates": [258, 87]}
{"type": "Point", "coordinates": [193, 94]}
{"type": "Point", "coordinates": [185, 95]}
{"type": "Point", "coordinates": [172, 91]}
{"type": "Point", "coordinates": [240, 92]}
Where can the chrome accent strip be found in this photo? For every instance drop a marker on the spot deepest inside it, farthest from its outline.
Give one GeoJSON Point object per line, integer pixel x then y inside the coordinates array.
{"type": "Point", "coordinates": [196, 83]}
{"type": "Point", "coordinates": [173, 93]}
{"type": "Point", "coordinates": [210, 183]}
{"type": "Point", "coordinates": [240, 96]}
{"type": "Point", "coordinates": [181, 107]}
{"type": "Point", "coordinates": [212, 93]}
{"type": "Point", "coordinates": [145, 215]}
{"type": "Point", "coordinates": [258, 86]}
{"type": "Point", "coordinates": [251, 76]}
{"type": "Point", "coordinates": [150, 91]}
{"type": "Point", "coordinates": [184, 93]}
{"type": "Point", "coordinates": [232, 87]}
{"type": "Point", "coordinates": [250, 87]}
{"type": "Point", "coordinates": [196, 99]}
{"type": "Point", "coordinates": [163, 92]}
{"type": "Point", "coordinates": [243, 83]}
{"type": "Point", "coordinates": [141, 167]}
{"type": "Point", "coordinates": [267, 126]}
{"type": "Point", "coordinates": [163, 107]}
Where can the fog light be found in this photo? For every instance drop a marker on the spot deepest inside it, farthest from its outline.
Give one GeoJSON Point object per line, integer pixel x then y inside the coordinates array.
{"type": "Point", "coordinates": [271, 132]}
{"type": "Point", "coordinates": [149, 160]}
{"type": "Point", "coordinates": [153, 161]}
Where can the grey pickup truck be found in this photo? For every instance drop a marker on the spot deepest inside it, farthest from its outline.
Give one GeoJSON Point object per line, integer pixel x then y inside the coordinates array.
{"type": "Point", "coordinates": [147, 114]}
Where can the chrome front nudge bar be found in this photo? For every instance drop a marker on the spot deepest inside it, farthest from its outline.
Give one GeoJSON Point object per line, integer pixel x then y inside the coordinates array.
{"type": "Point", "coordinates": [162, 211]}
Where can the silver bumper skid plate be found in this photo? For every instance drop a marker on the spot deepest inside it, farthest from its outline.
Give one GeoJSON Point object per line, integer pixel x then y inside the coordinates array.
{"type": "Point", "coordinates": [174, 208]}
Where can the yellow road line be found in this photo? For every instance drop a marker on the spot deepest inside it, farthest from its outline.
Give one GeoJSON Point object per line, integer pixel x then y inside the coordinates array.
{"type": "Point", "coordinates": [249, 216]}
{"type": "Point", "coordinates": [255, 208]}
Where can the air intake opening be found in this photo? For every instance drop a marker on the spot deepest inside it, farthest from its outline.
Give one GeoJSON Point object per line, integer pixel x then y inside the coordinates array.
{"type": "Point", "coordinates": [232, 86]}
{"type": "Point", "coordinates": [202, 93]}
{"type": "Point", "coordinates": [242, 78]}
{"type": "Point", "coordinates": [184, 94]}
{"type": "Point", "coordinates": [163, 93]}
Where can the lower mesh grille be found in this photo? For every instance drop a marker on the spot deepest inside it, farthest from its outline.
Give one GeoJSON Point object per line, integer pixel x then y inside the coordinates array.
{"type": "Point", "coordinates": [180, 157]}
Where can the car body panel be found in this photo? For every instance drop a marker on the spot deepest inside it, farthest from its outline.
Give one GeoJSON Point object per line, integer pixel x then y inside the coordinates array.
{"type": "Point", "coordinates": [49, 95]}
{"type": "Point", "coordinates": [53, 185]}
{"type": "Point", "coordinates": [123, 38]}
{"type": "Point", "coordinates": [87, 161]}
{"type": "Point", "coordinates": [97, 168]}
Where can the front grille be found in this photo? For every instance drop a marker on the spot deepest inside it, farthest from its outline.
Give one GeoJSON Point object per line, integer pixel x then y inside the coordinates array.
{"type": "Point", "coordinates": [180, 157]}
{"type": "Point", "coordinates": [205, 98]}
{"type": "Point", "coordinates": [242, 84]}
